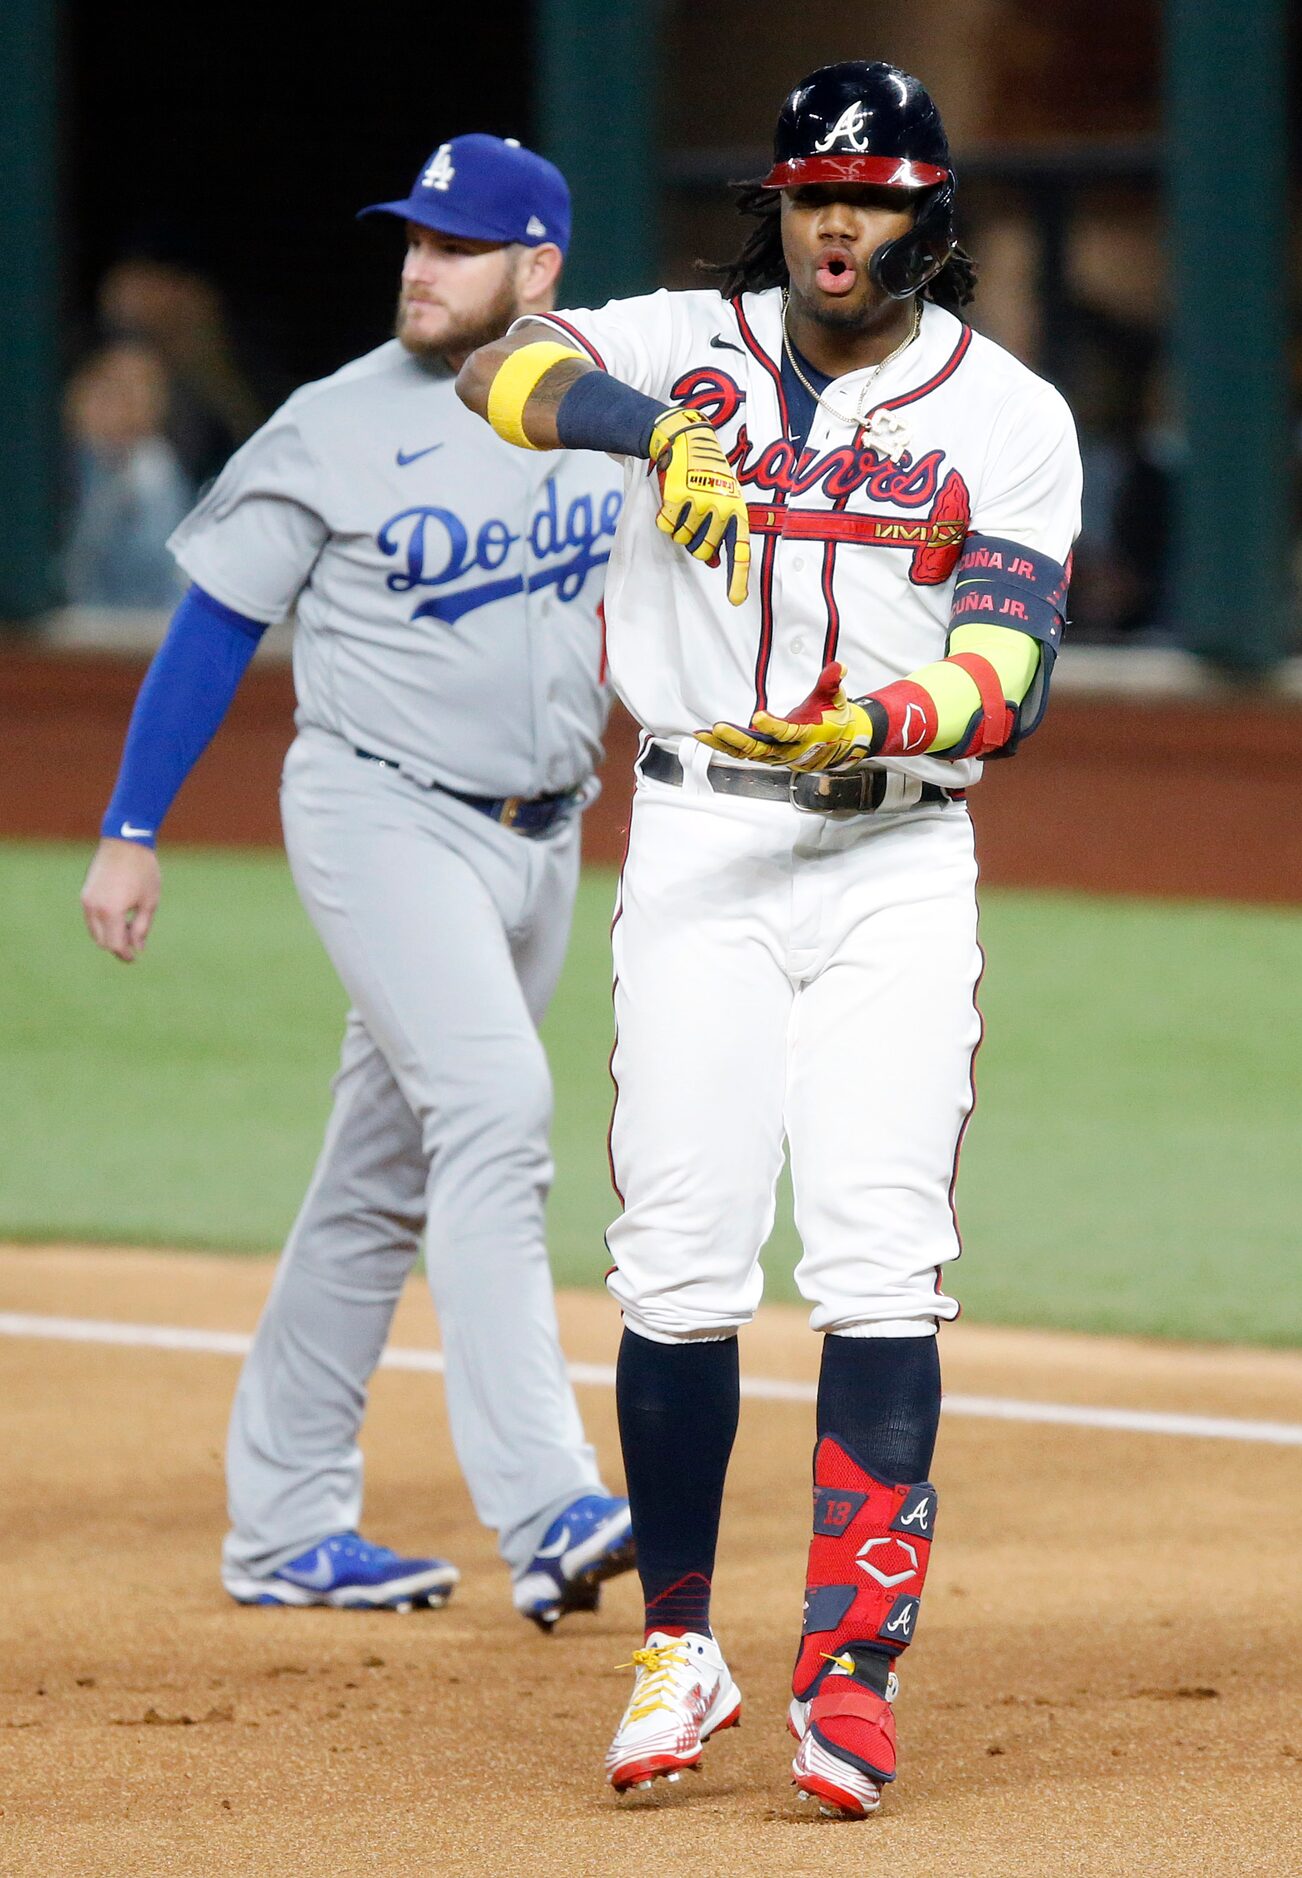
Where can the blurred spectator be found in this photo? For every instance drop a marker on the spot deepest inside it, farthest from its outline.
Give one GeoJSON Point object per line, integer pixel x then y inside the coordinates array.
{"type": "Point", "coordinates": [1123, 562]}
{"type": "Point", "coordinates": [170, 306]}
{"type": "Point", "coordinates": [129, 487]}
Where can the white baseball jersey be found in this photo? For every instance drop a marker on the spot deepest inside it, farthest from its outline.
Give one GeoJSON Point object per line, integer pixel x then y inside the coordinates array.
{"type": "Point", "coordinates": [447, 588]}
{"type": "Point", "coordinates": [854, 538]}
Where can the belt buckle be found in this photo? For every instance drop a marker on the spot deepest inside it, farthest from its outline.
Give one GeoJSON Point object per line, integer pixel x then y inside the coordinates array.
{"type": "Point", "coordinates": [509, 813]}
{"type": "Point", "coordinates": [826, 792]}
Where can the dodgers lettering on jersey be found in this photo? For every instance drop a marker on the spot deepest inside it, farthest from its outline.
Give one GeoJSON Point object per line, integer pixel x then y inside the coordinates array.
{"type": "Point", "coordinates": [437, 549]}
{"type": "Point", "coordinates": [437, 576]}
{"type": "Point", "coordinates": [855, 535]}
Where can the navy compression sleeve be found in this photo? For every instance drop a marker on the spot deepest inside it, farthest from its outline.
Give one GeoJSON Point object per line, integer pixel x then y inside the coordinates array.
{"type": "Point", "coordinates": [186, 694]}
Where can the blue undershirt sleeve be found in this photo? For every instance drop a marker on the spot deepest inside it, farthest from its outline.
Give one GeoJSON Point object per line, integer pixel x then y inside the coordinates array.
{"type": "Point", "coordinates": [187, 691]}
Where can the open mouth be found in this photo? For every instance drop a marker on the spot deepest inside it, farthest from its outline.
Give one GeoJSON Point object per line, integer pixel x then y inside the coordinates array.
{"type": "Point", "coordinates": [836, 272]}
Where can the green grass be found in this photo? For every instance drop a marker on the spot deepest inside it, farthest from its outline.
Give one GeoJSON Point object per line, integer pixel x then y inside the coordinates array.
{"type": "Point", "coordinates": [1131, 1167]}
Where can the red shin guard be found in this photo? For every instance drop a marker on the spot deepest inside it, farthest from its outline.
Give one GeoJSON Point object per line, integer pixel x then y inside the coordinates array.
{"type": "Point", "coordinates": [867, 1563]}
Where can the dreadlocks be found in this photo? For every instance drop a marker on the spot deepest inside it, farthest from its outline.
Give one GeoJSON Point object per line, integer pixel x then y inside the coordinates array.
{"type": "Point", "coordinates": [761, 262]}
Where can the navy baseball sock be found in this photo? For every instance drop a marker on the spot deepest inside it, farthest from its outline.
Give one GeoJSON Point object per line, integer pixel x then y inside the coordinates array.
{"type": "Point", "coordinates": [677, 1418]}
{"type": "Point", "coordinates": [880, 1398]}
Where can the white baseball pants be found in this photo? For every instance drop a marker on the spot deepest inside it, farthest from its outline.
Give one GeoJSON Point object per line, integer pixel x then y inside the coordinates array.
{"type": "Point", "coordinates": [781, 974]}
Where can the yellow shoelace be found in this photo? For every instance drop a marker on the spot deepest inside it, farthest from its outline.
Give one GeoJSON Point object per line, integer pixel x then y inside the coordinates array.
{"type": "Point", "coordinates": [842, 1662]}
{"type": "Point", "coordinates": [655, 1665]}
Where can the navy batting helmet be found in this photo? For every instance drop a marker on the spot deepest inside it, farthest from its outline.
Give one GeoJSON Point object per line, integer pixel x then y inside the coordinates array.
{"type": "Point", "coordinates": [867, 122]}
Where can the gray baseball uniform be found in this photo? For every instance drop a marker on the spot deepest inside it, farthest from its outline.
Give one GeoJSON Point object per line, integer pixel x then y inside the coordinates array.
{"type": "Point", "coordinates": [447, 596]}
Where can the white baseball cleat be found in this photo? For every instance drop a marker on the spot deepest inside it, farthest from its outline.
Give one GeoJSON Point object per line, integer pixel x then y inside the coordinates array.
{"type": "Point", "coordinates": [847, 1744]}
{"type": "Point", "coordinates": [683, 1694]}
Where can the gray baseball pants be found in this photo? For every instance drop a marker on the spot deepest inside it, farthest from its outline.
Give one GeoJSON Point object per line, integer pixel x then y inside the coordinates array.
{"type": "Point", "coordinates": [448, 933]}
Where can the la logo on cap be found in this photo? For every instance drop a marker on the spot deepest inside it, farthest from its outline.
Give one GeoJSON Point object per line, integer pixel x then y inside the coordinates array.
{"type": "Point", "coordinates": [440, 169]}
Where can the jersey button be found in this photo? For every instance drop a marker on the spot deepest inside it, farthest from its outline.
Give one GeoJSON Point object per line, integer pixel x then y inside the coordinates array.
{"type": "Point", "coordinates": [797, 645]}
{"type": "Point", "coordinates": [798, 565]}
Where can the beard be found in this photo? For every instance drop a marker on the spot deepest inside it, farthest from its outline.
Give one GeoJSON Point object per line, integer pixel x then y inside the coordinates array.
{"type": "Point", "coordinates": [461, 335]}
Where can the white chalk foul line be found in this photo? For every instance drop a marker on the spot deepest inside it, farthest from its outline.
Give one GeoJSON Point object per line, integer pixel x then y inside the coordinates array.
{"type": "Point", "coordinates": [601, 1375]}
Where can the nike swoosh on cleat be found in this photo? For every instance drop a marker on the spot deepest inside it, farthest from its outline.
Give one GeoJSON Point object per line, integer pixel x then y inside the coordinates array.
{"type": "Point", "coordinates": [403, 458]}
{"type": "Point", "coordinates": [721, 344]}
{"type": "Point", "coordinates": [554, 1551]}
{"type": "Point", "coordinates": [318, 1577]}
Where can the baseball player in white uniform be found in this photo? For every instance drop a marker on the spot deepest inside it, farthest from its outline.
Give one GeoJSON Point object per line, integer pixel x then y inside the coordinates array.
{"type": "Point", "coordinates": [894, 500]}
{"type": "Point", "coordinates": [449, 669]}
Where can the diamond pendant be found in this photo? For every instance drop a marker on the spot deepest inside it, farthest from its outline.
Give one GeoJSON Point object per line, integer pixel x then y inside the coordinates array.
{"type": "Point", "coordinates": [887, 433]}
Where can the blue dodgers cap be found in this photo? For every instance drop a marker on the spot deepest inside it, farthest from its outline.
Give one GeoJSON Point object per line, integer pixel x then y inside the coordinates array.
{"type": "Point", "coordinates": [487, 189]}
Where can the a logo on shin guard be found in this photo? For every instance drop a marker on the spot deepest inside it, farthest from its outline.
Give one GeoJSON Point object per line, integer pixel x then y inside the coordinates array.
{"type": "Point", "coordinates": [898, 1627]}
{"type": "Point", "coordinates": [895, 1566]}
{"type": "Point", "coordinates": [918, 1514]}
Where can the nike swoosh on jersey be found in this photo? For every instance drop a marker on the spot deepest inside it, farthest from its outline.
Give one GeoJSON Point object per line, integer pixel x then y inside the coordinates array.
{"type": "Point", "coordinates": [318, 1577]}
{"type": "Point", "coordinates": [130, 833]}
{"type": "Point", "coordinates": [403, 457]}
{"type": "Point", "coordinates": [721, 344]}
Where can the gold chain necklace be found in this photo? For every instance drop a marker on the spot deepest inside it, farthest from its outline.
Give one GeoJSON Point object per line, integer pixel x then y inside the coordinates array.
{"type": "Point", "coordinates": [842, 417]}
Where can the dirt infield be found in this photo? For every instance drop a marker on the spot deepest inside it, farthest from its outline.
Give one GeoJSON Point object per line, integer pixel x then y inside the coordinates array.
{"type": "Point", "coordinates": [1105, 1682]}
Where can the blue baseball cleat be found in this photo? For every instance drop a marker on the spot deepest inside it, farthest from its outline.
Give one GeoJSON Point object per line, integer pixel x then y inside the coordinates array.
{"type": "Point", "coordinates": [347, 1571]}
{"type": "Point", "coordinates": [586, 1544]}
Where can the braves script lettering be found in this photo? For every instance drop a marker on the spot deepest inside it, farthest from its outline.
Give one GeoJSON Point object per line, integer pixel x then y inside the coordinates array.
{"type": "Point", "coordinates": [780, 470]}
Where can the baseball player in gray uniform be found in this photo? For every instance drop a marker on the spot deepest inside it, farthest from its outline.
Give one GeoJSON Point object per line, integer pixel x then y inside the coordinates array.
{"type": "Point", "coordinates": [449, 668]}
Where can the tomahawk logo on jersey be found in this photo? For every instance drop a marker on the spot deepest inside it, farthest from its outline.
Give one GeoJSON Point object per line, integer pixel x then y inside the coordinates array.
{"type": "Point", "coordinates": [858, 530]}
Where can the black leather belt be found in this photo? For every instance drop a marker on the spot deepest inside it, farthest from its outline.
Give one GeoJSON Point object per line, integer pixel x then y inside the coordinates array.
{"type": "Point", "coordinates": [823, 792]}
{"type": "Point", "coordinates": [526, 815]}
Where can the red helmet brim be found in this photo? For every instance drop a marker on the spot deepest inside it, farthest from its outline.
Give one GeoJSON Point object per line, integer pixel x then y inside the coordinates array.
{"type": "Point", "coordinates": [886, 172]}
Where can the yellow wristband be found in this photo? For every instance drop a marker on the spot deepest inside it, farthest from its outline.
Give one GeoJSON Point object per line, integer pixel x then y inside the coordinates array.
{"type": "Point", "coordinates": [516, 380]}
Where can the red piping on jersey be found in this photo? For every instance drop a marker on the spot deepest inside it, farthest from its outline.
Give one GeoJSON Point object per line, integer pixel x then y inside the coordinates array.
{"type": "Point", "coordinates": [554, 319]}
{"type": "Point", "coordinates": [614, 987]}
{"type": "Point", "coordinates": [764, 652]}
{"type": "Point", "coordinates": [767, 557]}
{"type": "Point", "coordinates": [829, 599]}
{"type": "Point", "coordinates": [758, 353]}
{"type": "Point", "coordinates": [875, 531]}
{"type": "Point", "coordinates": [947, 370]}
{"type": "Point", "coordinates": [972, 1096]}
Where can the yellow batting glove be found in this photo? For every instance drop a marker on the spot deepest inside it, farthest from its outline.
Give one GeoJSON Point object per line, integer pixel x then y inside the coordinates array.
{"type": "Point", "coordinates": [701, 507]}
{"type": "Point", "coordinates": [826, 731]}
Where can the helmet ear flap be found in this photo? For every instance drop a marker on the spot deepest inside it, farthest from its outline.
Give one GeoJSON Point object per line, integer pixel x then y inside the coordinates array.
{"type": "Point", "coordinates": [906, 265]}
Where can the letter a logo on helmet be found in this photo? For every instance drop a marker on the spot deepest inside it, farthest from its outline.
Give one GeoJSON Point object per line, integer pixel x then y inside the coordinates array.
{"type": "Point", "coordinates": [846, 131]}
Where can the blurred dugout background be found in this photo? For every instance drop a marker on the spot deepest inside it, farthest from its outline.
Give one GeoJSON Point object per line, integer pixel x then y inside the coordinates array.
{"type": "Point", "coordinates": [178, 252]}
